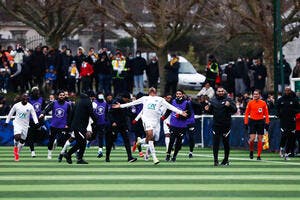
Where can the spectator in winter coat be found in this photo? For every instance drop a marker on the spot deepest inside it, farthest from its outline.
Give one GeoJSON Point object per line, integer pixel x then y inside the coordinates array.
{"type": "Point", "coordinates": [212, 70]}
{"type": "Point", "coordinates": [240, 72]}
{"type": "Point", "coordinates": [172, 68]}
{"type": "Point", "coordinates": [86, 72]}
{"type": "Point", "coordinates": [260, 75]}
{"type": "Point", "coordinates": [153, 72]}
{"type": "Point", "coordinates": [73, 76]}
{"type": "Point", "coordinates": [287, 70]}
{"type": "Point", "coordinates": [104, 70]}
{"type": "Point", "coordinates": [138, 67]}
{"type": "Point", "coordinates": [296, 70]}
{"type": "Point", "coordinates": [119, 73]}
{"type": "Point", "coordinates": [79, 60]}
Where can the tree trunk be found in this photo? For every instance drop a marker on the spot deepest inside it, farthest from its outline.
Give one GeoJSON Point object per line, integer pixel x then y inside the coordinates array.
{"type": "Point", "coordinates": [269, 62]}
{"type": "Point", "coordinates": [162, 55]}
{"type": "Point", "coordinates": [53, 41]}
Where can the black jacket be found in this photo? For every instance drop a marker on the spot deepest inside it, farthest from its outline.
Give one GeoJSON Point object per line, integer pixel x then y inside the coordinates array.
{"type": "Point", "coordinates": [82, 111]}
{"type": "Point", "coordinates": [287, 107]}
{"type": "Point", "coordinates": [221, 113]}
{"type": "Point", "coordinates": [119, 116]}
{"type": "Point", "coordinates": [138, 66]}
{"type": "Point", "coordinates": [103, 65]}
{"type": "Point", "coordinates": [172, 72]}
{"type": "Point", "coordinates": [152, 70]}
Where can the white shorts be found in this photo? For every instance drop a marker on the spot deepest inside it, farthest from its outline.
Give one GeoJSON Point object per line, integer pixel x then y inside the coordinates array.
{"type": "Point", "coordinates": [153, 125]}
{"type": "Point", "coordinates": [21, 130]}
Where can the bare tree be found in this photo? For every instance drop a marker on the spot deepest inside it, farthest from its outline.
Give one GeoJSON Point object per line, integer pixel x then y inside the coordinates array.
{"type": "Point", "coordinates": [52, 19]}
{"type": "Point", "coordinates": [168, 21]}
{"type": "Point", "coordinates": [257, 18]}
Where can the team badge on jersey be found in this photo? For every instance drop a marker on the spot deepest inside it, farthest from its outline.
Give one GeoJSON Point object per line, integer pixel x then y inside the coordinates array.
{"type": "Point", "coordinates": [59, 112]}
{"type": "Point", "coordinates": [260, 110]}
{"type": "Point", "coordinates": [100, 110]}
{"type": "Point", "coordinates": [37, 107]}
{"type": "Point", "coordinates": [133, 109]}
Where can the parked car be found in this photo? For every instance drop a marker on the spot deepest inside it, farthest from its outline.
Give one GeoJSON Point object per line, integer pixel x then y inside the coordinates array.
{"type": "Point", "coordinates": [188, 77]}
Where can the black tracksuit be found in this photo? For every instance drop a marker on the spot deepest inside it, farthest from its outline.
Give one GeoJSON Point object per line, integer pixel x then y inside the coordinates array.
{"type": "Point", "coordinates": [83, 110]}
{"type": "Point", "coordinates": [221, 123]}
{"type": "Point", "coordinates": [287, 107]}
{"type": "Point", "coordinates": [120, 117]}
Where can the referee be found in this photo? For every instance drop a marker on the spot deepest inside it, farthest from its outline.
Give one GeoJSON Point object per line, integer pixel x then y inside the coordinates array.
{"type": "Point", "coordinates": [259, 119]}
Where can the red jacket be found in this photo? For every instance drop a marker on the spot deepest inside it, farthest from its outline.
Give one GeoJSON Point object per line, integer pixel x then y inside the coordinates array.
{"type": "Point", "coordinates": [298, 122]}
{"type": "Point", "coordinates": [86, 69]}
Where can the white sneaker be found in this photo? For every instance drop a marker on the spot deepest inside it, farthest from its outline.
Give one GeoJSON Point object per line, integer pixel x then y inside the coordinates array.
{"type": "Point", "coordinates": [4, 91]}
{"type": "Point", "coordinates": [33, 154]}
{"type": "Point", "coordinates": [281, 152]}
{"type": "Point", "coordinates": [286, 156]}
{"type": "Point", "coordinates": [49, 154]}
{"type": "Point", "coordinates": [146, 157]}
{"type": "Point", "coordinates": [155, 161]}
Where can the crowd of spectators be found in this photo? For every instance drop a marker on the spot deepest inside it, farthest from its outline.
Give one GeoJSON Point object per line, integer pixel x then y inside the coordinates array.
{"type": "Point", "coordinates": [52, 69]}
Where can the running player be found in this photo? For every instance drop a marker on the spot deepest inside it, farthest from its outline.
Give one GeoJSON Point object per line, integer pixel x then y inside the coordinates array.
{"type": "Point", "coordinates": [23, 111]}
{"type": "Point", "coordinates": [151, 117]}
{"type": "Point", "coordinates": [60, 123]}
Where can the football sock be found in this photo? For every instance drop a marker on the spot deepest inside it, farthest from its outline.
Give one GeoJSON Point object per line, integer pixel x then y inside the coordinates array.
{"type": "Point", "coordinates": [16, 143]}
{"type": "Point", "coordinates": [251, 145]}
{"type": "Point", "coordinates": [167, 141]}
{"type": "Point", "coordinates": [20, 146]}
{"type": "Point", "coordinates": [64, 149]}
{"type": "Point", "coordinates": [259, 148]}
{"type": "Point", "coordinates": [152, 149]}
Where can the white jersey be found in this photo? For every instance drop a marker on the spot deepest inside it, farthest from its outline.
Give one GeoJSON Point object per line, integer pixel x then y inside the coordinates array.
{"type": "Point", "coordinates": [23, 113]}
{"type": "Point", "coordinates": [152, 107]}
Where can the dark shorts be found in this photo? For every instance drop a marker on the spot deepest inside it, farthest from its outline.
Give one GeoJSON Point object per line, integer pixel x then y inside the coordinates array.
{"type": "Point", "coordinates": [256, 126]}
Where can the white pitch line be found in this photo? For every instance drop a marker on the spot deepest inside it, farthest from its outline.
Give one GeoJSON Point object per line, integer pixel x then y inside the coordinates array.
{"type": "Point", "coordinates": [236, 158]}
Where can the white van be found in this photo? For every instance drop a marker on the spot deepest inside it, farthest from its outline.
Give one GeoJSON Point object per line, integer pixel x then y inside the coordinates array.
{"type": "Point", "coordinates": [188, 77]}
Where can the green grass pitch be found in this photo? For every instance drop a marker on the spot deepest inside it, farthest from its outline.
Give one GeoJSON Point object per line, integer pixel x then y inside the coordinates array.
{"type": "Point", "coordinates": [195, 178]}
